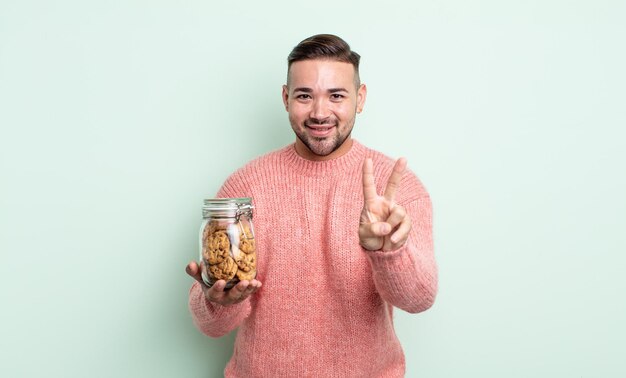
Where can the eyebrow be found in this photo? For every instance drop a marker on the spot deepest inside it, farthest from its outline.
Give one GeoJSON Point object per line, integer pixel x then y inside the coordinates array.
{"type": "Point", "coordinates": [309, 90]}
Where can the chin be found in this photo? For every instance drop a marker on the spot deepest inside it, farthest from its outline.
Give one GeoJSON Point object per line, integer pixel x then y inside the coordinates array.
{"type": "Point", "coordinates": [323, 149]}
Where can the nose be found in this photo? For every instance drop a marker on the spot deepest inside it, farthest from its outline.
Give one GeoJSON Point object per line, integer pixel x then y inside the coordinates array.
{"type": "Point", "coordinates": [320, 110]}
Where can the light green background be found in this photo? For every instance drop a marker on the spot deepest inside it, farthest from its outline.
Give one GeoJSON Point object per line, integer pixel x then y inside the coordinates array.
{"type": "Point", "coordinates": [118, 117]}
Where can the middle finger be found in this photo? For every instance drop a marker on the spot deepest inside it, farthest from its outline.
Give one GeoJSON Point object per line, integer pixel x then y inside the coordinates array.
{"type": "Point", "coordinates": [394, 179]}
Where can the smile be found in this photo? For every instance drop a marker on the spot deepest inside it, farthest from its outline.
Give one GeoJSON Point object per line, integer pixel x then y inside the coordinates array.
{"type": "Point", "coordinates": [320, 131]}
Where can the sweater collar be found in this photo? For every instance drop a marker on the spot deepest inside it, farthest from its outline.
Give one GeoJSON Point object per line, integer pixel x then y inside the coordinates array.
{"type": "Point", "coordinates": [348, 162]}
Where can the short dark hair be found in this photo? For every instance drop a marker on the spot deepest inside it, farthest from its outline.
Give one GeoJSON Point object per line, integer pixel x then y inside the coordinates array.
{"type": "Point", "coordinates": [325, 46]}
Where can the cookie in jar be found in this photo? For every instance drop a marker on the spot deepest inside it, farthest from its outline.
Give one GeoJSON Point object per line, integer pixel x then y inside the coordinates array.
{"type": "Point", "coordinates": [227, 244]}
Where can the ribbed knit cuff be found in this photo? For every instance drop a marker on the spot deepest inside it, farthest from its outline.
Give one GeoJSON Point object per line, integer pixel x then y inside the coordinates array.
{"type": "Point", "coordinates": [399, 260]}
{"type": "Point", "coordinates": [403, 279]}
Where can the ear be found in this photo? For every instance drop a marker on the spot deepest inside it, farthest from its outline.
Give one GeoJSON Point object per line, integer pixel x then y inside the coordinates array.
{"type": "Point", "coordinates": [361, 94]}
{"type": "Point", "coordinates": [286, 97]}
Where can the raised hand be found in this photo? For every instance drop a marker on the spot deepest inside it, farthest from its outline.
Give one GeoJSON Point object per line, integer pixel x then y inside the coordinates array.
{"type": "Point", "coordinates": [216, 293]}
{"type": "Point", "coordinates": [384, 224]}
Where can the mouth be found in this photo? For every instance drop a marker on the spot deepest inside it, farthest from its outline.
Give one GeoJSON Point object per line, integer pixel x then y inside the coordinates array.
{"type": "Point", "coordinates": [320, 131]}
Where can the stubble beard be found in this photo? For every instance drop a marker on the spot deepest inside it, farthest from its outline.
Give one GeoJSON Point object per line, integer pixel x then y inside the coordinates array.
{"type": "Point", "coordinates": [322, 146]}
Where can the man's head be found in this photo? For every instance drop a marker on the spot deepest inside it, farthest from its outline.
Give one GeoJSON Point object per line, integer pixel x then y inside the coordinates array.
{"type": "Point", "coordinates": [322, 95]}
{"type": "Point", "coordinates": [325, 47]}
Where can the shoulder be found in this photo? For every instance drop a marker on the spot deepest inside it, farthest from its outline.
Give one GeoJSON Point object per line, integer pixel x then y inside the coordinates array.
{"type": "Point", "coordinates": [411, 187]}
{"type": "Point", "coordinates": [243, 181]}
{"type": "Point", "coordinates": [263, 162]}
{"type": "Point", "coordinates": [259, 166]}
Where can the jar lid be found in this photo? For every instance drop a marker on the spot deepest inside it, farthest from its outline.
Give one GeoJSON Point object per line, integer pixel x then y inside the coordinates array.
{"type": "Point", "coordinates": [227, 207]}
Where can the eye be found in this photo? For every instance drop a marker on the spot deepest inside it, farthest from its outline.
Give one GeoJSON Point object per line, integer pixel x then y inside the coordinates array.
{"type": "Point", "coordinates": [303, 96]}
{"type": "Point", "coordinates": [337, 97]}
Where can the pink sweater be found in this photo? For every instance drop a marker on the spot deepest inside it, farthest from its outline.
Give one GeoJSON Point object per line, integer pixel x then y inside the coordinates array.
{"type": "Point", "coordinates": [325, 307]}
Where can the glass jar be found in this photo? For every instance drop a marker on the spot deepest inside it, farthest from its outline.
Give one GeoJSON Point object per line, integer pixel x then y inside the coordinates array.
{"type": "Point", "coordinates": [227, 245]}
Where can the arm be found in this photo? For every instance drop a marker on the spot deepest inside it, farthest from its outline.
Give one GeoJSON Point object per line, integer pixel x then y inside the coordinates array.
{"type": "Point", "coordinates": [407, 277]}
{"type": "Point", "coordinates": [397, 238]}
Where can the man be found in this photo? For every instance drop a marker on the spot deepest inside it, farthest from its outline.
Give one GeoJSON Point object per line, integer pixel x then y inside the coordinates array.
{"type": "Point", "coordinates": [334, 255]}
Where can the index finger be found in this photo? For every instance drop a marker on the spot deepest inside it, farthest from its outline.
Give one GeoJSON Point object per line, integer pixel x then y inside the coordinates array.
{"type": "Point", "coordinates": [369, 185]}
{"type": "Point", "coordinates": [394, 179]}
{"type": "Point", "coordinates": [238, 291]}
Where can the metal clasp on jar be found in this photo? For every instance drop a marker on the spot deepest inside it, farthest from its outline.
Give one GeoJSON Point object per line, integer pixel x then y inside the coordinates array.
{"type": "Point", "coordinates": [244, 210]}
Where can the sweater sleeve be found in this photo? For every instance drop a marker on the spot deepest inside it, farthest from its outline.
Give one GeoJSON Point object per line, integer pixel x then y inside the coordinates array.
{"type": "Point", "coordinates": [213, 319]}
{"type": "Point", "coordinates": [210, 318]}
{"type": "Point", "coordinates": [407, 277]}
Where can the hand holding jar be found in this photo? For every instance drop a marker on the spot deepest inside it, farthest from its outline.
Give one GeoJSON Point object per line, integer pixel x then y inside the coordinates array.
{"type": "Point", "coordinates": [217, 294]}
{"type": "Point", "coordinates": [228, 265]}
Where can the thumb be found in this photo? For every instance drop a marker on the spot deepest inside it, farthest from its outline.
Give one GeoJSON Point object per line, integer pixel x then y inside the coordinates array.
{"type": "Point", "coordinates": [193, 270]}
{"type": "Point", "coordinates": [376, 229]}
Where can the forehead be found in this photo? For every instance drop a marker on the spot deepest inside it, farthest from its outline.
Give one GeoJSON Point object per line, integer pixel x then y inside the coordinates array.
{"type": "Point", "coordinates": [321, 74]}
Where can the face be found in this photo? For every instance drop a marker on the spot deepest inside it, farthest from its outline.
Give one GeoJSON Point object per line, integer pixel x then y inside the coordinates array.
{"type": "Point", "coordinates": [322, 101]}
